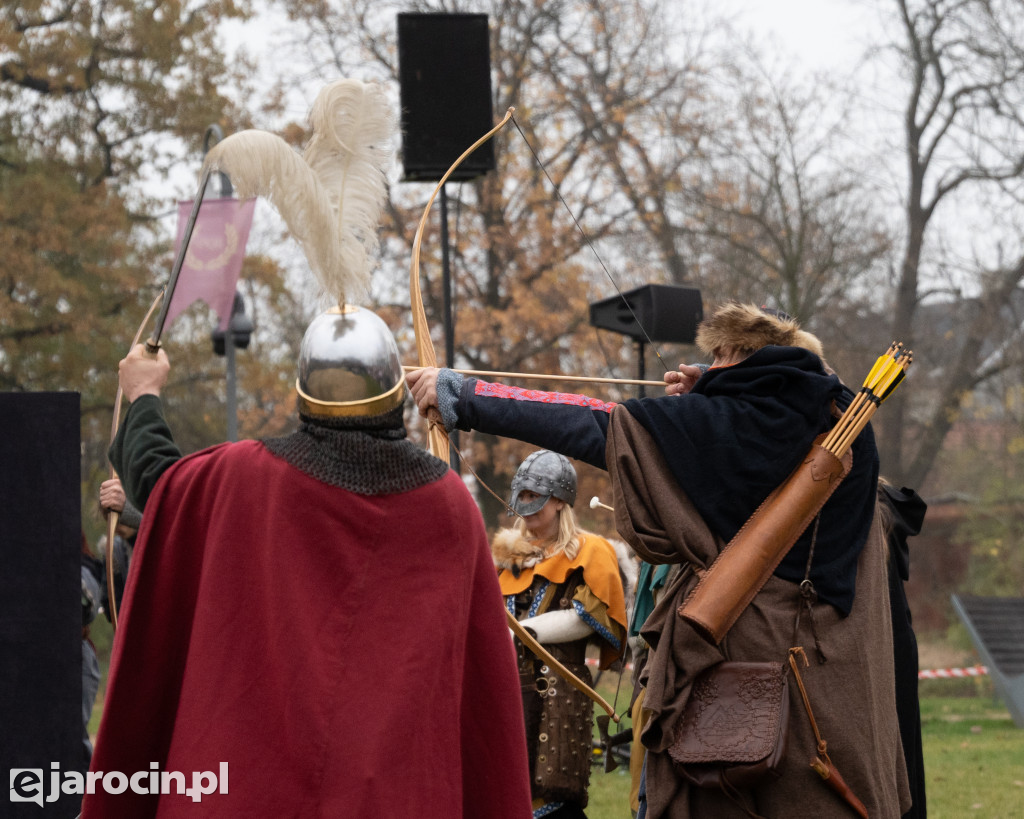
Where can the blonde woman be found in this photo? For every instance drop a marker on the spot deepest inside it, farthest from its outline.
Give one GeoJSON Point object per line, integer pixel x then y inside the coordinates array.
{"type": "Point", "coordinates": [563, 585]}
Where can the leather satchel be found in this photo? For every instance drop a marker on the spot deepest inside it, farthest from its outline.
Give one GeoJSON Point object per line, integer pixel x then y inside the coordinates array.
{"type": "Point", "coordinates": [732, 733]}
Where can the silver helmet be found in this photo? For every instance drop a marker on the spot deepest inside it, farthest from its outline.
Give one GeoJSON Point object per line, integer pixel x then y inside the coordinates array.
{"type": "Point", "coordinates": [549, 475]}
{"type": "Point", "coordinates": [349, 365]}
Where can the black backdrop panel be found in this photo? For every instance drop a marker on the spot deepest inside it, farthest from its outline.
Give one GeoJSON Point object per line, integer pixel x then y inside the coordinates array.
{"type": "Point", "coordinates": [444, 73]}
{"type": "Point", "coordinates": [40, 608]}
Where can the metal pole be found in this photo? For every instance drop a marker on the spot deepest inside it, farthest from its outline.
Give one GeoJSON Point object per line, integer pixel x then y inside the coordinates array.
{"type": "Point", "coordinates": [449, 319]}
{"type": "Point", "coordinates": [226, 191]}
{"type": "Point", "coordinates": [446, 284]}
{"type": "Point", "coordinates": [232, 384]}
{"type": "Point", "coordinates": [641, 370]}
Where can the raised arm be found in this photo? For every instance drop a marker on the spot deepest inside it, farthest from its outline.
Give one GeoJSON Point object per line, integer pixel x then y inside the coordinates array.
{"type": "Point", "coordinates": [144, 447]}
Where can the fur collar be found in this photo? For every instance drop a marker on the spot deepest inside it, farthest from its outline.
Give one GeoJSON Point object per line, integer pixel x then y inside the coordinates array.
{"type": "Point", "coordinates": [514, 552]}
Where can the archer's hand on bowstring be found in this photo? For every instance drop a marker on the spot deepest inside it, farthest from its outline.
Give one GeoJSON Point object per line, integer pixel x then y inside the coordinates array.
{"type": "Point", "coordinates": [141, 373]}
{"type": "Point", "coordinates": [681, 381]}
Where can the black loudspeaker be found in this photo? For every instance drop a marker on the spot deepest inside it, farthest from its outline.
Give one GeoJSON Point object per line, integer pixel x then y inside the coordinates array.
{"type": "Point", "coordinates": [666, 312]}
{"type": "Point", "coordinates": [444, 73]}
{"type": "Point", "coordinates": [41, 714]}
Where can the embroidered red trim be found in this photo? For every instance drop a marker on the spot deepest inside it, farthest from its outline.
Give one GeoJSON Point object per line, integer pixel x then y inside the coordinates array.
{"type": "Point", "coordinates": [488, 390]}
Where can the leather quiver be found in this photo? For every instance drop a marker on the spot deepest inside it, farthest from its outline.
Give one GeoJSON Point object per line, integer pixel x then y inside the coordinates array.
{"type": "Point", "coordinates": [750, 558]}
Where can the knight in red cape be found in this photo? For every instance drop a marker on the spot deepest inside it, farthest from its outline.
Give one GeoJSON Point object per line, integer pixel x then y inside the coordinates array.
{"type": "Point", "coordinates": [317, 617]}
{"type": "Point", "coordinates": [312, 625]}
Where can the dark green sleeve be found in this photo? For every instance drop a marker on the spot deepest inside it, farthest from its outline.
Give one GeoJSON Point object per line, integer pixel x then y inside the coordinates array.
{"type": "Point", "coordinates": [143, 449]}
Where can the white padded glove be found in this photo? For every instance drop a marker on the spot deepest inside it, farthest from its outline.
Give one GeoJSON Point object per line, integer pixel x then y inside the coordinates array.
{"type": "Point", "coordinates": [557, 627]}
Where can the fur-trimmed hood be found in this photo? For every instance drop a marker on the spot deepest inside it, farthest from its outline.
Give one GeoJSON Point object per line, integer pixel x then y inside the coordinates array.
{"type": "Point", "coordinates": [745, 328]}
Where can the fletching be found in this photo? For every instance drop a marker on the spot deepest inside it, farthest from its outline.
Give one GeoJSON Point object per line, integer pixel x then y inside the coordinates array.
{"type": "Point", "coordinates": [887, 373]}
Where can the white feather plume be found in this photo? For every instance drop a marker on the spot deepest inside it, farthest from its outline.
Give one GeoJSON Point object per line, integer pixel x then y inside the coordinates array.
{"type": "Point", "coordinates": [332, 194]}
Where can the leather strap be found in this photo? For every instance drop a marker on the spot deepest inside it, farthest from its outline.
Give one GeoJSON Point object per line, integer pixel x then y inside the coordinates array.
{"type": "Point", "coordinates": [821, 763]}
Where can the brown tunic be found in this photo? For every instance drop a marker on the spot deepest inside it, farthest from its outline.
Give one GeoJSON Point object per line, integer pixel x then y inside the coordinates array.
{"type": "Point", "coordinates": [853, 694]}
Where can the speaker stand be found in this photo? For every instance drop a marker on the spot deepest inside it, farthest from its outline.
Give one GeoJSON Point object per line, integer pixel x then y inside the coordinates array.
{"type": "Point", "coordinates": [449, 318]}
{"type": "Point", "coordinates": [641, 366]}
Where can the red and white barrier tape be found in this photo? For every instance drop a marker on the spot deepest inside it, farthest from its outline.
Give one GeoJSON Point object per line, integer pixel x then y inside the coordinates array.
{"type": "Point", "coordinates": [950, 673]}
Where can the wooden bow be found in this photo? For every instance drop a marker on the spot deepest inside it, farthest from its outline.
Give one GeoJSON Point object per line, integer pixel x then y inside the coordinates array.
{"type": "Point", "coordinates": [152, 348]}
{"type": "Point", "coordinates": [439, 442]}
{"type": "Point", "coordinates": [114, 516]}
{"type": "Point", "coordinates": [424, 345]}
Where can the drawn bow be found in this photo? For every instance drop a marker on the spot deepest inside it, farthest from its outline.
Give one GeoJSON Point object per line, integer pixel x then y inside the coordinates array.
{"type": "Point", "coordinates": [438, 437]}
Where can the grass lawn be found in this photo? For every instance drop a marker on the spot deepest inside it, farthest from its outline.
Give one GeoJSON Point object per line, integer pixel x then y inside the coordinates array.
{"type": "Point", "coordinates": [973, 753]}
{"type": "Point", "coordinates": [974, 758]}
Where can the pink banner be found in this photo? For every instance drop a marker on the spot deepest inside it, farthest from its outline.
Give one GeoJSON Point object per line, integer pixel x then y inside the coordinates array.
{"type": "Point", "coordinates": [214, 259]}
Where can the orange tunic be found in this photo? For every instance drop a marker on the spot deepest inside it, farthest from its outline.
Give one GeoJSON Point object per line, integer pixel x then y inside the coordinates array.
{"type": "Point", "coordinates": [600, 574]}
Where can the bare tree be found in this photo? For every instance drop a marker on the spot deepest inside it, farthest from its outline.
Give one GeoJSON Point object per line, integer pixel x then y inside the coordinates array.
{"type": "Point", "coordinates": [683, 164]}
{"type": "Point", "coordinates": [640, 99]}
{"type": "Point", "coordinates": [964, 137]}
{"type": "Point", "coordinates": [784, 214]}
{"type": "Point", "coordinates": [601, 103]}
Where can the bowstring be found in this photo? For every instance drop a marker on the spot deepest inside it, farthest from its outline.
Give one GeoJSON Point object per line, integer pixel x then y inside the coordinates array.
{"type": "Point", "coordinates": [433, 424]}
{"type": "Point", "coordinates": [636, 318]}
{"type": "Point", "coordinates": [590, 244]}
{"type": "Point", "coordinates": [622, 296]}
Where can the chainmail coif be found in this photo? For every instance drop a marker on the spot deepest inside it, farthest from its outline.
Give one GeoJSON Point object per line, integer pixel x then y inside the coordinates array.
{"type": "Point", "coordinates": [365, 456]}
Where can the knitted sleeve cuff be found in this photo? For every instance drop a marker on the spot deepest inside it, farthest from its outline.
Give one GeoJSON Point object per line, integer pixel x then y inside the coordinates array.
{"type": "Point", "coordinates": [449, 386]}
{"type": "Point", "coordinates": [130, 516]}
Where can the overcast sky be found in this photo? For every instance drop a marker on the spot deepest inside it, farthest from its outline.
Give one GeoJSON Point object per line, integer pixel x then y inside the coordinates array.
{"type": "Point", "coordinates": [822, 34]}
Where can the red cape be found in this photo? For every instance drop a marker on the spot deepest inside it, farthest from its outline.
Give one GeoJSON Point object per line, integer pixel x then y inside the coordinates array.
{"type": "Point", "coordinates": [346, 655]}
